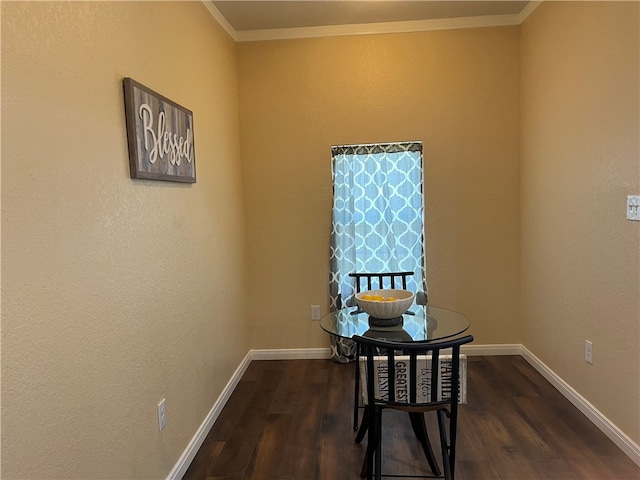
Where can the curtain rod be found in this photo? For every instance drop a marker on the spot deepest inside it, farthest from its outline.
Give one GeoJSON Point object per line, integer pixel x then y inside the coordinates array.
{"type": "Point", "coordinates": [375, 144]}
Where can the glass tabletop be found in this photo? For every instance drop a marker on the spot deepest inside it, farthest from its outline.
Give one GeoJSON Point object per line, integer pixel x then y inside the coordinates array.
{"type": "Point", "coordinates": [423, 323]}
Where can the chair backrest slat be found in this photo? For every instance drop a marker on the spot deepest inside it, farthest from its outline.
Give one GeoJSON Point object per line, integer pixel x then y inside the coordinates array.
{"type": "Point", "coordinates": [455, 386]}
{"type": "Point", "coordinates": [413, 384]}
{"type": "Point", "coordinates": [412, 373]}
{"type": "Point", "coordinates": [391, 375]}
{"type": "Point", "coordinates": [392, 278]}
{"type": "Point", "coordinates": [435, 374]}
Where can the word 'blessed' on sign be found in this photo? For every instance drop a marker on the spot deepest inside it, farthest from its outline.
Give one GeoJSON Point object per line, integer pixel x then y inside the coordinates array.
{"type": "Point", "coordinates": [164, 142]}
{"type": "Point", "coordinates": [160, 136]}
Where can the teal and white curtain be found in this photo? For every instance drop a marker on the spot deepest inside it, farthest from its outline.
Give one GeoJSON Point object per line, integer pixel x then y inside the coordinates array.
{"type": "Point", "coordinates": [377, 220]}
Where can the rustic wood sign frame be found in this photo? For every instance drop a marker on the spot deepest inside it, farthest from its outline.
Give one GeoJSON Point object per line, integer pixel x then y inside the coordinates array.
{"type": "Point", "coordinates": [160, 136]}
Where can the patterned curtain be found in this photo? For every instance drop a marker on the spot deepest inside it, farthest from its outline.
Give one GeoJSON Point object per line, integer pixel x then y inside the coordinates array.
{"type": "Point", "coordinates": [377, 221]}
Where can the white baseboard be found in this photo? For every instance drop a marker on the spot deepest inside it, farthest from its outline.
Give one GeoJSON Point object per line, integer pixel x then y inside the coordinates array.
{"type": "Point", "coordinates": [180, 468]}
{"type": "Point", "coordinates": [477, 350]}
{"type": "Point", "coordinates": [322, 353]}
{"type": "Point", "coordinates": [617, 436]}
{"type": "Point", "coordinates": [291, 354]}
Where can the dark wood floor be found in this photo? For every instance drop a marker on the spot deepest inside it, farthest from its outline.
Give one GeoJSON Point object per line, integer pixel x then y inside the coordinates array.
{"type": "Point", "coordinates": [291, 420]}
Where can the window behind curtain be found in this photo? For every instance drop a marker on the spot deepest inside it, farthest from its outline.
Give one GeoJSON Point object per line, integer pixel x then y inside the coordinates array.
{"type": "Point", "coordinates": [378, 215]}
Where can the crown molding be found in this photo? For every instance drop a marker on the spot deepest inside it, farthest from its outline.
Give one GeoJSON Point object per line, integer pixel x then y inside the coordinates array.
{"type": "Point", "coordinates": [377, 28]}
{"type": "Point", "coordinates": [370, 28]}
{"type": "Point", "coordinates": [215, 13]}
{"type": "Point", "coordinates": [528, 10]}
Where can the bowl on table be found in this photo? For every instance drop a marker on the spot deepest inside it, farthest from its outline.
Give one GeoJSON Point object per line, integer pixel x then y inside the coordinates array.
{"type": "Point", "coordinates": [385, 303]}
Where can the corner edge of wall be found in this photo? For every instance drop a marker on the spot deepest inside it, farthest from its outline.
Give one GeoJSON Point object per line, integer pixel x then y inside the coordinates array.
{"type": "Point", "coordinates": [180, 468]}
{"type": "Point", "coordinates": [617, 436]}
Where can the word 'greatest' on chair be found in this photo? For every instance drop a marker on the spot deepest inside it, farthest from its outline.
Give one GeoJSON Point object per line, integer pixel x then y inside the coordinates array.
{"type": "Point", "coordinates": [415, 377]}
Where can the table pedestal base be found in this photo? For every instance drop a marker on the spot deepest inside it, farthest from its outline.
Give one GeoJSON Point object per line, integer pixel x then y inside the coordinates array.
{"type": "Point", "coordinates": [385, 322]}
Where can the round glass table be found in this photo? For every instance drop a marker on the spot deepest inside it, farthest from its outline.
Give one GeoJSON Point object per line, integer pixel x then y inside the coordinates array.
{"type": "Point", "coordinates": [420, 323]}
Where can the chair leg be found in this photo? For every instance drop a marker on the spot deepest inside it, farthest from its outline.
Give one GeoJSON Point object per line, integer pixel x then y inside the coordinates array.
{"type": "Point", "coordinates": [364, 472]}
{"type": "Point", "coordinates": [364, 425]}
{"type": "Point", "coordinates": [453, 430]}
{"type": "Point", "coordinates": [372, 443]}
{"type": "Point", "coordinates": [356, 394]}
{"type": "Point", "coordinates": [367, 464]}
{"type": "Point", "coordinates": [446, 459]}
{"type": "Point", "coordinates": [378, 451]}
{"type": "Point", "coordinates": [420, 429]}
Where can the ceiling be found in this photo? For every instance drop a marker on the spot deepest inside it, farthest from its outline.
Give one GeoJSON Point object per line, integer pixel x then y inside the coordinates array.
{"type": "Point", "coordinates": [248, 20]}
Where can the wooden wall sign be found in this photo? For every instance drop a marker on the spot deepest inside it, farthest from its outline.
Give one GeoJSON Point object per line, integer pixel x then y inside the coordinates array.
{"type": "Point", "coordinates": [160, 136]}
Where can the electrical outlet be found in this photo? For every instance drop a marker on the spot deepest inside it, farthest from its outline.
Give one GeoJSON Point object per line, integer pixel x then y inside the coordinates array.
{"type": "Point", "coordinates": [633, 207]}
{"type": "Point", "coordinates": [315, 312]}
{"type": "Point", "coordinates": [162, 414]}
{"type": "Point", "coordinates": [588, 351]}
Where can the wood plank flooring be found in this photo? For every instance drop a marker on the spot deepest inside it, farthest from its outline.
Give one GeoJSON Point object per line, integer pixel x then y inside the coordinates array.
{"type": "Point", "coordinates": [292, 420]}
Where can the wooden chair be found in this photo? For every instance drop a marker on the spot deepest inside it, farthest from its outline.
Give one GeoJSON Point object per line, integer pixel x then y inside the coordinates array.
{"type": "Point", "coordinates": [371, 281]}
{"type": "Point", "coordinates": [415, 377]}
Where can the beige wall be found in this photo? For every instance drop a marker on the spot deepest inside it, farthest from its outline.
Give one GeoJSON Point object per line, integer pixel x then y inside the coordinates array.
{"type": "Point", "coordinates": [580, 159]}
{"type": "Point", "coordinates": [457, 91]}
{"type": "Point", "coordinates": [115, 292]}
{"type": "Point", "coordinates": [118, 292]}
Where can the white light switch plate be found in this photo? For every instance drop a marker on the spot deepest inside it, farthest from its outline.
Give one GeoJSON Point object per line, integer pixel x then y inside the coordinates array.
{"type": "Point", "coordinates": [633, 207]}
{"type": "Point", "coordinates": [588, 351]}
{"type": "Point", "coordinates": [162, 414]}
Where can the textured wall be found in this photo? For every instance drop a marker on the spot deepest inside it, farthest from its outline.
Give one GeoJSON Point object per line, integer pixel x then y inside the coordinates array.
{"type": "Point", "coordinates": [457, 91]}
{"type": "Point", "coordinates": [580, 159]}
{"type": "Point", "coordinates": [115, 292]}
